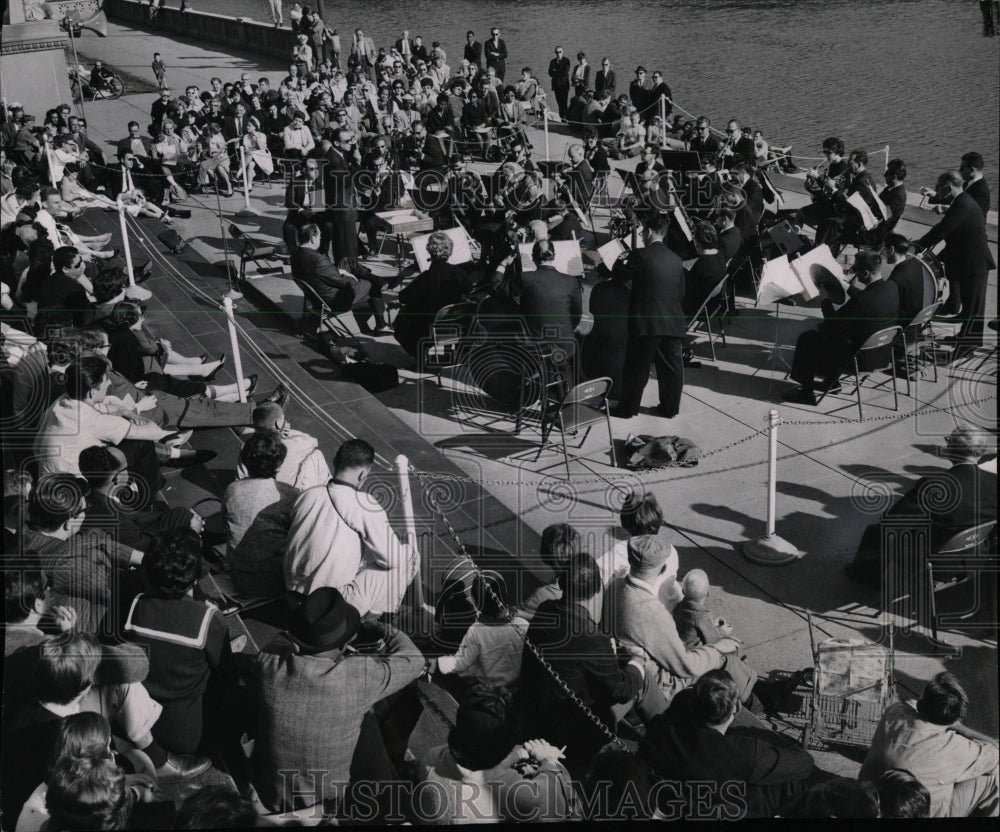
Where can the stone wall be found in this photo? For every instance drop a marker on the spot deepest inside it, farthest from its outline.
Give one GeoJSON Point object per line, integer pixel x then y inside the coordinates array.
{"type": "Point", "coordinates": [260, 38]}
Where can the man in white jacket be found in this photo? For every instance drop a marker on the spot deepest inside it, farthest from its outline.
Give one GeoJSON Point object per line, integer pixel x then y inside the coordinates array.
{"type": "Point", "coordinates": [340, 536]}
{"type": "Point", "coordinates": [304, 466]}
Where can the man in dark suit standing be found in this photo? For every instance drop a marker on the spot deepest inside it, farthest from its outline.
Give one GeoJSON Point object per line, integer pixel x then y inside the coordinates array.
{"type": "Point", "coordinates": [972, 500]}
{"type": "Point", "coordinates": [971, 170]}
{"type": "Point", "coordinates": [640, 91]}
{"type": "Point", "coordinates": [342, 165]}
{"type": "Point", "coordinates": [605, 79]}
{"type": "Point", "coordinates": [552, 305]}
{"type": "Point", "coordinates": [823, 352]}
{"type": "Point", "coordinates": [473, 51]}
{"type": "Point", "coordinates": [752, 209]}
{"type": "Point", "coordinates": [404, 46]}
{"type": "Point", "coordinates": [559, 77]}
{"type": "Point", "coordinates": [966, 257]}
{"type": "Point", "coordinates": [303, 198]}
{"type": "Point", "coordinates": [338, 289]}
{"type": "Point", "coordinates": [656, 322]}
{"type": "Point", "coordinates": [495, 51]}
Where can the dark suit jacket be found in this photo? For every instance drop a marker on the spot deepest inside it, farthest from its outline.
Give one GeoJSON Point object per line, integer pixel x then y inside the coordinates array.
{"type": "Point", "coordinates": [341, 199]}
{"type": "Point", "coordinates": [707, 273]}
{"type": "Point", "coordinates": [661, 89]}
{"type": "Point", "coordinates": [442, 284]}
{"type": "Point", "coordinates": [895, 200]}
{"type": "Point", "coordinates": [916, 288]}
{"type": "Point", "coordinates": [473, 53]}
{"type": "Point", "coordinates": [751, 211]}
{"type": "Point", "coordinates": [61, 292]}
{"type": "Point", "coordinates": [399, 45]}
{"type": "Point", "coordinates": [319, 272]}
{"type": "Point", "coordinates": [875, 308]}
{"type": "Point", "coordinates": [677, 748]}
{"type": "Point", "coordinates": [640, 94]}
{"type": "Point", "coordinates": [551, 300]}
{"type": "Point", "coordinates": [125, 146]}
{"type": "Point", "coordinates": [963, 228]}
{"type": "Point", "coordinates": [496, 56]}
{"type": "Point", "coordinates": [580, 182]}
{"type": "Point", "coordinates": [585, 660]}
{"type": "Point", "coordinates": [972, 500]}
{"type": "Point", "coordinates": [657, 277]}
{"type": "Point", "coordinates": [980, 192]}
{"type": "Point", "coordinates": [559, 73]}
{"type": "Point", "coordinates": [605, 80]}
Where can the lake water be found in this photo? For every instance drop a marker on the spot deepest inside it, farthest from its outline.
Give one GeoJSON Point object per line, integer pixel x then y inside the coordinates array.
{"type": "Point", "coordinates": [914, 74]}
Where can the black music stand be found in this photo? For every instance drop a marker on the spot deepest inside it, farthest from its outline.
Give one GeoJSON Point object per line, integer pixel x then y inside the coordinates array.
{"type": "Point", "coordinates": [784, 238]}
{"type": "Point", "coordinates": [681, 161]}
{"type": "Point", "coordinates": [631, 180]}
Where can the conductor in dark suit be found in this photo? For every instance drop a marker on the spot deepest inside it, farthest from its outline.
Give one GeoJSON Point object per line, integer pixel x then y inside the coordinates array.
{"type": "Point", "coordinates": [552, 305]}
{"type": "Point", "coordinates": [971, 500]}
{"type": "Point", "coordinates": [341, 199]}
{"type": "Point", "coordinates": [656, 322]}
{"type": "Point", "coordinates": [495, 51]}
{"type": "Point", "coordinates": [338, 289]}
{"type": "Point", "coordinates": [966, 257]}
{"type": "Point", "coordinates": [824, 352]}
{"type": "Point", "coordinates": [971, 169]}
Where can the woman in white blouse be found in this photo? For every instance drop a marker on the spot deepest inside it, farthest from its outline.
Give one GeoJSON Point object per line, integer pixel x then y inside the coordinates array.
{"type": "Point", "coordinates": [298, 139]}
{"type": "Point", "coordinates": [257, 154]}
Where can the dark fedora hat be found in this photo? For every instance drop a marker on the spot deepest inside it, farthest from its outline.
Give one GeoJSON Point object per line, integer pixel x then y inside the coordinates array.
{"type": "Point", "coordinates": [324, 621]}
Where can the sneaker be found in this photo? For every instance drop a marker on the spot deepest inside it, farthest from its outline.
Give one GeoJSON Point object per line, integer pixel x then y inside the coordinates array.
{"type": "Point", "coordinates": [182, 767]}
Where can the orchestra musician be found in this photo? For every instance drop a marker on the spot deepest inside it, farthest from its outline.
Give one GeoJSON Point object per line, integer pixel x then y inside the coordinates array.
{"type": "Point", "coordinates": [820, 181]}
{"type": "Point", "coordinates": [823, 353]}
{"type": "Point", "coordinates": [893, 196]}
{"type": "Point", "coordinates": [704, 142]}
{"type": "Point", "coordinates": [859, 181]}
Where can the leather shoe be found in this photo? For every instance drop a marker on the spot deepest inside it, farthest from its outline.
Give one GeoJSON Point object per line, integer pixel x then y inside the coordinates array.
{"type": "Point", "coordinates": [619, 413]}
{"type": "Point", "coordinates": [188, 458]}
{"type": "Point", "coordinates": [660, 410]}
{"type": "Point", "coordinates": [279, 395]}
{"type": "Point", "coordinates": [182, 767]}
{"type": "Point", "coordinates": [799, 395]}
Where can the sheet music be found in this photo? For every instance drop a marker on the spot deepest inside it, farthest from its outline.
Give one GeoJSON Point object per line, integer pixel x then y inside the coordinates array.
{"type": "Point", "coordinates": [569, 259]}
{"type": "Point", "coordinates": [868, 219]}
{"type": "Point", "coordinates": [881, 206]}
{"type": "Point", "coordinates": [461, 251]}
{"type": "Point", "coordinates": [819, 256]}
{"type": "Point", "coordinates": [777, 281]}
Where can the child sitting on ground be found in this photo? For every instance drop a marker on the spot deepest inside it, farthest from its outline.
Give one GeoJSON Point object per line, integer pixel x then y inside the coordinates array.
{"type": "Point", "coordinates": [695, 623]}
{"type": "Point", "coordinates": [560, 542]}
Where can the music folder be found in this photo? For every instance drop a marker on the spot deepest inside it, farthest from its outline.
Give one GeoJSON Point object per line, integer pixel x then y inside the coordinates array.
{"type": "Point", "coordinates": [681, 160]}
{"type": "Point", "coordinates": [868, 218]}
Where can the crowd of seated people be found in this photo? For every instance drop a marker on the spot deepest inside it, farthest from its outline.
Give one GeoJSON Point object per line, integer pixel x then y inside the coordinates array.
{"type": "Point", "coordinates": [111, 637]}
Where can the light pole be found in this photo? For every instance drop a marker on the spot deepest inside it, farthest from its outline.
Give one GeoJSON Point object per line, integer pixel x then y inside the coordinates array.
{"type": "Point", "coordinates": [71, 21]}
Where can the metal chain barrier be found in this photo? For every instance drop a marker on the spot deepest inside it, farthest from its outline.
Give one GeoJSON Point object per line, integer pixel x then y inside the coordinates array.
{"type": "Point", "coordinates": [509, 616]}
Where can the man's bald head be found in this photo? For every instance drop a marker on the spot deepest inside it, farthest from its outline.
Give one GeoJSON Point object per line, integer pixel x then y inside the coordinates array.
{"type": "Point", "coordinates": [967, 442]}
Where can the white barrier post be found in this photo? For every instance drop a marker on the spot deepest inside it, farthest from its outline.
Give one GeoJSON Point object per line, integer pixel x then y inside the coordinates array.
{"type": "Point", "coordinates": [771, 549]}
{"type": "Point", "coordinates": [545, 119]}
{"type": "Point", "coordinates": [132, 292]}
{"type": "Point", "coordinates": [663, 115]}
{"type": "Point", "coordinates": [403, 466]}
{"type": "Point", "coordinates": [52, 167]}
{"type": "Point", "coordinates": [227, 304]}
{"type": "Point", "coordinates": [247, 210]}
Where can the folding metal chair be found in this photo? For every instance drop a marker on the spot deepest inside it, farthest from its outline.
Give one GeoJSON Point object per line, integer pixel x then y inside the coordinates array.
{"type": "Point", "coordinates": [889, 337]}
{"type": "Point", "coordinates": [956, 552]}
{"type": "Point", "coordinates": [921, 330]}
{"type": "Point", "coordinates": [703, 315]}
{"type": "Point", "coordinates": [582, 407]}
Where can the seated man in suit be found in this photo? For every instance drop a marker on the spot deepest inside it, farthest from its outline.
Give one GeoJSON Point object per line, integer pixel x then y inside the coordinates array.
{"type": "Point", "coordinates": [340, 290]}
{"type": "Point", "coordinates": [915, 284]}
{"type": "Point", "coordinates": [824, 352]}
{"type": "Point", "coordinates": [972, 500]}
{"type": "Point", "coordinates": [695, 741]}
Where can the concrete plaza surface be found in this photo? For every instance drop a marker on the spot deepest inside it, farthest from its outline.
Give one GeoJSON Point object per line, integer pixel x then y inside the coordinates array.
{"type": "Point", "coordinates": [835, 474]}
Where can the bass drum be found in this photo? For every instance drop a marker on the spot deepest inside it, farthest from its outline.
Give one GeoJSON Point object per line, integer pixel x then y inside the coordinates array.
{"type": "Point", "coordinates": [936, 289]}
{"type": "Point", "coordinates": [511, 373]}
